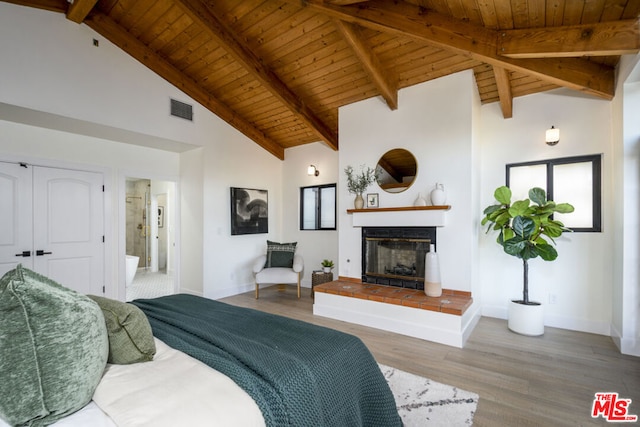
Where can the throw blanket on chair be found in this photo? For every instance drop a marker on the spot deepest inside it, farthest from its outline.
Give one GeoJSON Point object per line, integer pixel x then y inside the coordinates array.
{"type": "Point", "coordinates": [299, 374]}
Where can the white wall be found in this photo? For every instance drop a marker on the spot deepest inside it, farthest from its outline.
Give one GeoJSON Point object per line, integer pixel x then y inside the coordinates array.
{"type": "Point", "coordinates": [581, 277]}
{"type": "Point", "coordinates": [70, 101]}
{"type": "Point", "coordinates": [435, 122]}
{"type": "Point", "coordinates": [192, 220]}
{"type": "Point", "coordinates": [237, 162]}
{"type": "Point", "coordinates": [50, 65]}
{"type": "Point", "coordinates": [232, 160]}
{"type": "Point", "coordinates": [314, 245]}
{"type": "Point", "coordinates": [52, 77]}
{"type": "Point", "coordinates": [467, 147]}
{"type": "Point", "coordinates": [630, 238]}
{"type": "Point", "coordinates": [64, 99]}
{"type": "Point", "coordinates": [46, 147]}
{"type": "Point", "coordinates": [626, 315]}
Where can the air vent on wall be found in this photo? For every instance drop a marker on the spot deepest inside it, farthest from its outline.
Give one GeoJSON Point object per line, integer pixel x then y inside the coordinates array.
{"type": "Point", "coordinates": [182, 110]}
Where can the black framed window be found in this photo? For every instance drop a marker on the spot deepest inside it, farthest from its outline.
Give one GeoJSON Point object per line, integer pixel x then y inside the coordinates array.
{"type": "Point", "coordinates": [318, 207]}
{"type": "Point", "coordinates": [574, 180]}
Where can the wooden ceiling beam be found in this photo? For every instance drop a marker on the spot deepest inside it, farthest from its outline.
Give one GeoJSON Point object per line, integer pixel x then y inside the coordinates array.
{"type": "Point", "coordinates": [346, 2]}
{"type": "Point", "coordinates": [216, 28]}
{"type": "Point", "coordinates": [472, 41]}
{"type": "Point", "coordinates": [79, 9]}
{"type": "Point", "coordinates": [138, 50]}
{"type": "Point", "coordinates": [50, 5]}
{"type": "Point", "coordinates": [504, 91]}
{"type": "Point", "coordinates": [386, 84]}
{"type": "Point", "coordinates": [602, 39]}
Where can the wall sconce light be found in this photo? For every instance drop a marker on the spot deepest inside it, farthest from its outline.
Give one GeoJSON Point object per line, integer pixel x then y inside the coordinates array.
{"type": "Point", "coordinates": [552, 136]}
{"type": "Point", "coordinates": [311, 170]}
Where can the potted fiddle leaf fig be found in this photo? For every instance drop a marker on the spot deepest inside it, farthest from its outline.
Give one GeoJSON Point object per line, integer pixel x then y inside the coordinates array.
{"type": "Point", "coordinates": [526, 230]}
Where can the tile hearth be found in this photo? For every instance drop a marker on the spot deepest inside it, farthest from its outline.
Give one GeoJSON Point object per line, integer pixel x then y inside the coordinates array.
{"type": "Point", "coordinates": [451, 302]}
{"type": "Point", "coordinates": [448, 319]}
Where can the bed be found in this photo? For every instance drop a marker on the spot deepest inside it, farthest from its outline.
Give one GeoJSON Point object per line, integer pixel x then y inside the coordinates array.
{"type": "Point", "coordinates": [217, 364]}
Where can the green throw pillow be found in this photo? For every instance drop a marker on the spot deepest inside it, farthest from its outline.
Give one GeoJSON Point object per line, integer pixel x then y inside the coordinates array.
{"type": "Point", "coordinates": [280, 254]}
{"type": "Point", "coordinates": [53, 349]}
{"type": "Point", "coordinates": [130, 336]}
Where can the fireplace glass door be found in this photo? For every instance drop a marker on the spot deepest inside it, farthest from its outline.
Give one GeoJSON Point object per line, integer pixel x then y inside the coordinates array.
{"type": "Point", "coordinates": [396, 256]}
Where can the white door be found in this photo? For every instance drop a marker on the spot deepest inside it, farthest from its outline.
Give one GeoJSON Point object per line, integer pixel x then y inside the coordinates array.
{"type": "Point", "coordinates": [53, 224]}
{"type": "Point", "coordinates": [68, 228]}
{"type": "Point", "coordinates": [16, 225]}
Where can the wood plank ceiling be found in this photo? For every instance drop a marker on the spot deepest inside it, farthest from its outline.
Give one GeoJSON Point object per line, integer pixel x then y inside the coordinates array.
{"type": "Point", "coordinates": [277, 70]}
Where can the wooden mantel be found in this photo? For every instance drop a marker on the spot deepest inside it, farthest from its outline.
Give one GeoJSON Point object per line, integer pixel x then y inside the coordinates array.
{"type": "Point", "coordinates": [401, 208]}
{"type": "Point", "coordinates": [418, 216]}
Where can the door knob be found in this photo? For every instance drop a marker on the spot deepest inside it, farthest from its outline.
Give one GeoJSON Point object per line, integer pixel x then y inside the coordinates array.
{"type": "Point", "coordinates": [40, 252]}
{"type": "Point", "coordinates": [24, 254]}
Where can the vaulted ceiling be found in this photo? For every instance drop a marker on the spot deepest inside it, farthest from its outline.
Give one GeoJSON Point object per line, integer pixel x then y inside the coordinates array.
{"type": "Point", "coordinates": [278, 70]}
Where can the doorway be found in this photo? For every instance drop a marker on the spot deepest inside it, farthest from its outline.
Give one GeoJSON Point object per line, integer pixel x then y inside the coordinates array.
{"type": "Point", "coordinates": [150, 212]}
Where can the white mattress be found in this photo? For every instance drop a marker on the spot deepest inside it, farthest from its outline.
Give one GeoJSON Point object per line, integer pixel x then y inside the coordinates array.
{"type": "Point", "coordinates": [173, 389]}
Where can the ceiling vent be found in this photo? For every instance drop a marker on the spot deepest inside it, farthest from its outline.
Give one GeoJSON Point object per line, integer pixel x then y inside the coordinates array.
{"type": "Point", "coordinates": [182, 110]}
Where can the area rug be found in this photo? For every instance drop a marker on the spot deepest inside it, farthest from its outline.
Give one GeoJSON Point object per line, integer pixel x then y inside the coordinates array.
{"type": "Point", "coordinates": [421, 401]}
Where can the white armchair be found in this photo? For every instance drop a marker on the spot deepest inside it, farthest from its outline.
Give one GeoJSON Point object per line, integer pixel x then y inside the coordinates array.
{"type": "Point", "coordinates": [277, 275]}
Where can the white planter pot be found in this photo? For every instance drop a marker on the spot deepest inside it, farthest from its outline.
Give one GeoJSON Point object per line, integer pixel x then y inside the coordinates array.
{"type": "Point", "coordinates": [526, 319]}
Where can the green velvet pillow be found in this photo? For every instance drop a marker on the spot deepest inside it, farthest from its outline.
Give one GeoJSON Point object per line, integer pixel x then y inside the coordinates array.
{"type": "Point", "coordinates": [53, 349]}
{"type": "Point", "coordinates": [130, 336]}
{"type": "Point", "coordinates": [280, 254]}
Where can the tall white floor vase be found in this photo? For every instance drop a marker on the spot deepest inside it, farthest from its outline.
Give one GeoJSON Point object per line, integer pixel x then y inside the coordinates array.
{"type": "Point", "coordinates": [432, 284]}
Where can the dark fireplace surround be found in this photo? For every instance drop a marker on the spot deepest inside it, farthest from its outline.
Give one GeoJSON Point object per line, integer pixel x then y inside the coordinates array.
{"type": "Point", "coordinates": [394, 256]}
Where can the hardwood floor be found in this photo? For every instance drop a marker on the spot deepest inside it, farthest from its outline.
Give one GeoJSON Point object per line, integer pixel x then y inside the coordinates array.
{"type": "Point", "coordinates": [522, 381]}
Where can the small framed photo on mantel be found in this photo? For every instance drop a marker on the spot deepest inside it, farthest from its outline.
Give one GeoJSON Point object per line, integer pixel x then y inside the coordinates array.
{"type": "Point", "coordinates": [372, 200]}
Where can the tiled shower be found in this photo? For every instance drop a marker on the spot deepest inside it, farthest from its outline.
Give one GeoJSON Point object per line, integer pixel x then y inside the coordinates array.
{"type": "Point", "coordinates": [138, 205]}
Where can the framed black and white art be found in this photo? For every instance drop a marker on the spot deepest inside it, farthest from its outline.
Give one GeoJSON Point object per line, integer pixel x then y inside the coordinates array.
{"type": "Point", "coordinates": [249, 211]}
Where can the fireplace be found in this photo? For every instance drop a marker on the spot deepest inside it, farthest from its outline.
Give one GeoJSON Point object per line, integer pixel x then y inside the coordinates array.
{"type": "Point", "coordinates": [395, 256]}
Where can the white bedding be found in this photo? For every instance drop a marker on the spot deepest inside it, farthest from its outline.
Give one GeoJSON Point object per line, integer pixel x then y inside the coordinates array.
{"type": "Point", "coordinates": [90, 415]}
{"type": "Point", "coordinates": [172, 390]}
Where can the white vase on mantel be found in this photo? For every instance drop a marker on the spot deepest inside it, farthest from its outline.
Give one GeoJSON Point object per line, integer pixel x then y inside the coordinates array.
{"type": "Point", "coordinates": [438, 196]}
{"type": "Point", "coordinates": [432, 284]}
{"type": "Point", "coordinates": [420, 201]}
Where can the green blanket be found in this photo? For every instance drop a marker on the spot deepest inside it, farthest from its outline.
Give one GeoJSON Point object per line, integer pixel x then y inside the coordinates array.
{"type": "Point", "coordinates": [299, 374]}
